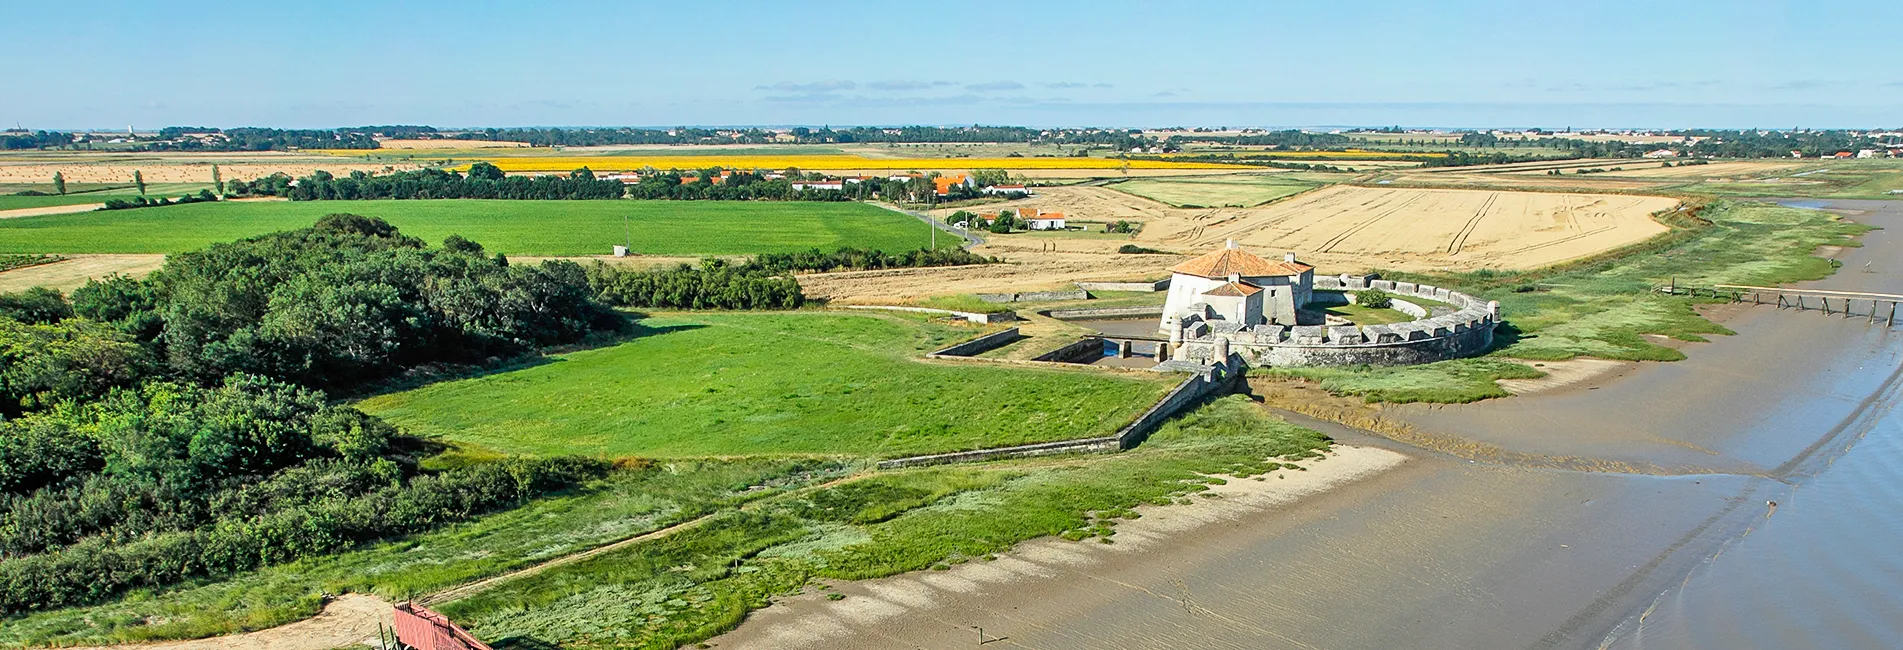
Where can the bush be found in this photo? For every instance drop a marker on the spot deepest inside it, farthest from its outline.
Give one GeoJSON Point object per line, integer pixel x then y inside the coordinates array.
{"type": "Point", "coordinates": [1374, 299]}
{"type": "Point", "coordinates": [1133, 249]}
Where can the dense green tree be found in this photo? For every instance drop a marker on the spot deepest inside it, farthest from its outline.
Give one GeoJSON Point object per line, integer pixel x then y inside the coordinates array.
{"type": "Point", "coordinates": [138, 179]}
{"type": "Point", "coordinates": [59, 183]}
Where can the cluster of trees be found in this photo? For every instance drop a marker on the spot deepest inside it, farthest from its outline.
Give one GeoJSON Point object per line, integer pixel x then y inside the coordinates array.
{"type": "Point", "coordinates": [739, 186]}
{"type": "Point", "coordinates": [154, 431]}
{"type": "Point", "coordinates": [178, 138]}
{"type": "Point", "coordinates": [713, 284]}
{"type": "Point", "coordinates": [857, 259]}
{"type": "Point", "coordinates": [151, 486]}
{"type": "Point", "coordinates": [34, 140]}
{"type": "Point", "coordinates": [203, 196]}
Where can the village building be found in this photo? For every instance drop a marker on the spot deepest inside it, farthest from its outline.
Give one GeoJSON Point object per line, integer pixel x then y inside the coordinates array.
{"type": "Point", "coordinates": [1237, 286]}
{"type": "Point", "coordinates": [1006, 190]}
{"type": "Point", "coordinates": [831, 184]}
{"type": "Point", "coordinates": [947, 182]}
{"type": "Point", "coordinates": [1043, 220]}
{"type": "Point", "coordinates": [1661, 153]}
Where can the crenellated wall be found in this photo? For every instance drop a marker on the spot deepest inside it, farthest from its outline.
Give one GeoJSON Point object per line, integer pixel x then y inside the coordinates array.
{"type": "Point", "coordinates": [1465, 332]}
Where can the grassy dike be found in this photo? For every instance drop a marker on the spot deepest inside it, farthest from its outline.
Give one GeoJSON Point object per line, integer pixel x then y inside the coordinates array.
{"type": "Point", "coordinates": [1605, 306]}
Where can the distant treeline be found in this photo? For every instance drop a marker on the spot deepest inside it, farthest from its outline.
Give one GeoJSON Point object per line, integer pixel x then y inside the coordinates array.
{"type": "Point", "coordinates": [484, 181]}
{"type": "Point", "coordinates": [855, 259]}
{"type": "Point", "coordinates": [1121, 138]}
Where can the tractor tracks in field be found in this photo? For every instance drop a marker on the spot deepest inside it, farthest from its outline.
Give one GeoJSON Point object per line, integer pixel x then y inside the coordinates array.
{"type": "Point", "coordinates": [1467, 230]}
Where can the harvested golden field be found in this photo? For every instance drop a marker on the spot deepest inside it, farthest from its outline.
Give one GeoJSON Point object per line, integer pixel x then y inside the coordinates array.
{"type": "Point", "coordinates": [1348, 228]}
{"type": "Point", "coordinates": [825, 162]}
{"type": "Point", "coordinates": [1362, 227]}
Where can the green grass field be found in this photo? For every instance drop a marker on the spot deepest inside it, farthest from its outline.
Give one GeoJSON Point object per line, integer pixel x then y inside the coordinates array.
{"type": "Point", "coordinates": [720, 384]}
{"type": "Point", "coordinates": [514, 227]}
{"type": "Point", "coordinates": [1214, 191]}
{"type": "Point", "coordinates": [1848, 179]}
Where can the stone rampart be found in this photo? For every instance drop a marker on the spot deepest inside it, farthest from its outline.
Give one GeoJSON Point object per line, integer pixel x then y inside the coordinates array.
{"type": "Point", "coordinates": [1467, 331]}
{"type": "Point", "coordinates": [1035, 296]}
{"type": "Point", "coordinates": [981, 344]}
{"type": "Point", "coordinates": [1105, 312]}
{"type": "Point", "coordinates": [975, 317]}
{"type": "Point", "coordinates": [1158, 285]}
{"type": "Point", "coordinates": [1200, 384]}
{"type": "Point", "coordinates": [1084, 351]}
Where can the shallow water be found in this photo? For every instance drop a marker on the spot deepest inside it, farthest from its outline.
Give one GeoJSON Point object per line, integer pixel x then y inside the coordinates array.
{"type": "Point", "coordinates": [1823, 568]}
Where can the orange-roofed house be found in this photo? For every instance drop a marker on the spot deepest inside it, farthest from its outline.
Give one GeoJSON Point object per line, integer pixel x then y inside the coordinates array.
{"type": "Point", "coordinates": [947, 182]}
{"type": "Point", "coordinates": [1237, 286]}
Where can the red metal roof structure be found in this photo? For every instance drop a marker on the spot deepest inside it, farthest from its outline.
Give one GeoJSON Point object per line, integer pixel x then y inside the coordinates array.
{"type": "Point", "coordinates": [420, 628]}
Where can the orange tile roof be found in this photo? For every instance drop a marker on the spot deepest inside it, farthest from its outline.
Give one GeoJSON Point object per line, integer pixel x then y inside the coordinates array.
{"type": "Point", "coordinates": [1049, 215]}
{"type": "Point", "coordinates": [1235, 261]}
{"type": "Point", "coordinates": [1236, 289]}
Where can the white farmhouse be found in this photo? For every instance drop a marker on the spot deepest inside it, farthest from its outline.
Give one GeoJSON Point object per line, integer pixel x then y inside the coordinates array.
{"type": "Point", "coordinates": [1237, 286]}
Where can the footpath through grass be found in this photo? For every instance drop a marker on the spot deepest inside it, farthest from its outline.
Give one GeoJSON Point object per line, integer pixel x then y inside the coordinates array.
{"type": "Point", "coordinates": [723, 384]}
{"type": "Point", "coordinates": [513, 227]}
{"type": "Point", "coordinates": [1605, 308]}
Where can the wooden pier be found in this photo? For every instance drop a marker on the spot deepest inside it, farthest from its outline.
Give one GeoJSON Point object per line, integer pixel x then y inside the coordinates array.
{"type": "Point", "coordinates": [1883, 306]}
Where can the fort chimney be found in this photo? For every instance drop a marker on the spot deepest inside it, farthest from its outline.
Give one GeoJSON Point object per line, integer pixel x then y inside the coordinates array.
{"type": "Point", "coordinates": [1289, 257]}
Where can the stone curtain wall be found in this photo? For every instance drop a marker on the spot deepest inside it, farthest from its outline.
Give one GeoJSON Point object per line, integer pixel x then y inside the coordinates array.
{"type": "Point", "coordinates": [1465, 332]}
{"type": "Point", "coordinates": [1084, 351]}
{"type": "Point", "coordinates": [1158, 285]}
{"type": "Point", "coordinates": [1035, 296]}
{"type": "Point", "coordinates": [979, 345]}
{"type": "Point", "coordinates": [1199, 385]}
{"type": "Point", "coordinates": [1105, 312]}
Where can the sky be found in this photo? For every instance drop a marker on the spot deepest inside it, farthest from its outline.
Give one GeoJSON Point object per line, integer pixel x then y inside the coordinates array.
{"type": "Point", "coordinates": [1461, 64]}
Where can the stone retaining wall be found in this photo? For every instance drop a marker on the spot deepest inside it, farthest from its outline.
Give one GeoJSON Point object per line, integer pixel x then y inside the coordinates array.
{"type": "Point", "coordinates": [1158, 285]}
{"type": "Point", "coordinates": [1035, 296]}
{"type": "Point", "coordinates": [1084, 351]}
{"type": "Point", "coordinates": [1105, 312]}
{"type": "Point", "coordinates": [975, 317]}
{"type": "Point", "coordinates": [980, 345]}
{"type": "Point", "coordinates": [1197, 386]}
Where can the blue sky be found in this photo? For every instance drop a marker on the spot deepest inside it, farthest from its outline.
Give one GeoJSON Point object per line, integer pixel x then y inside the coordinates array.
{"type": "Point", "coordinates": [1666, 63]}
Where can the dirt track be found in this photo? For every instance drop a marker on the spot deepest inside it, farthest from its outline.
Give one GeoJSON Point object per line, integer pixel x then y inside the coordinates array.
{"type": "Point", "coordinates": [348, 621]}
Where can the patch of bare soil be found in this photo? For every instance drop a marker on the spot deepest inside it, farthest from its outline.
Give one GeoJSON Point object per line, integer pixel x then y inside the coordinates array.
{"type": "Point", "coordinates": [71, 273]}
{"type": "Point", "coordinates": [350, 620]}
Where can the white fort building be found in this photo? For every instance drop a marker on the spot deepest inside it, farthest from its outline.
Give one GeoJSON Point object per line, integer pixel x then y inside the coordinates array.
{"type": "Point", "coordinates": [1241, 288]}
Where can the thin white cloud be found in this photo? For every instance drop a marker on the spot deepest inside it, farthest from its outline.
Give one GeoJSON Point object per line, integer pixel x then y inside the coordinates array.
{"type": "Point", "coordinates": [994, 86]}
{"type": "Point", "coordinates": [813, 87]}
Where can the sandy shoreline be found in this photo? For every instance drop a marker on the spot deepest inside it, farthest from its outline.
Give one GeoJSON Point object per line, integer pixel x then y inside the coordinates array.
{"type": "Point", "coordinates": [810, 620]}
